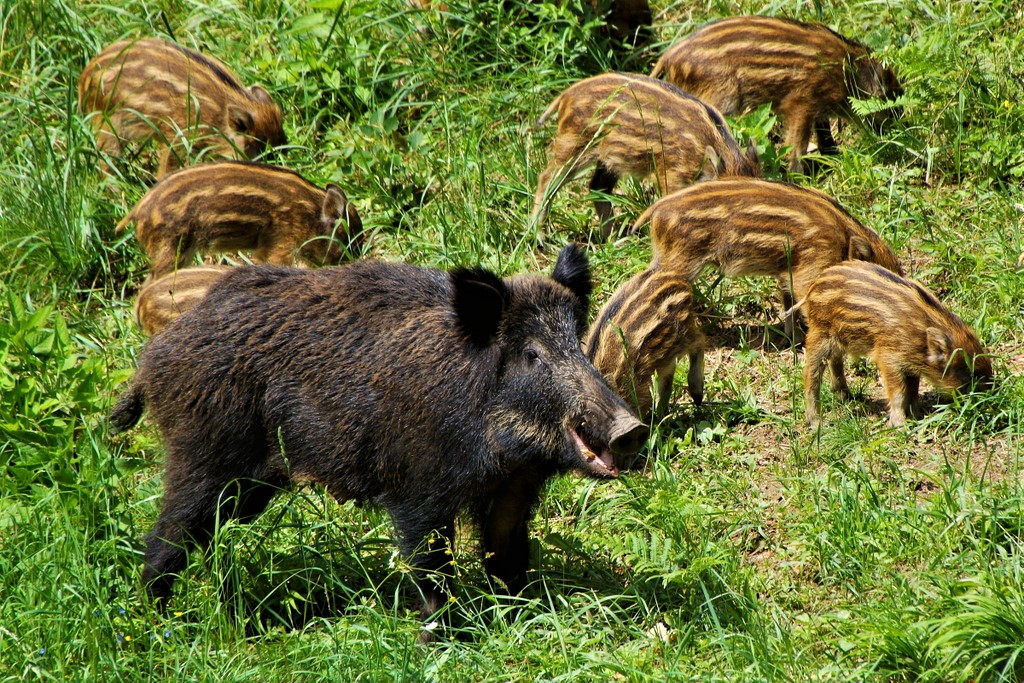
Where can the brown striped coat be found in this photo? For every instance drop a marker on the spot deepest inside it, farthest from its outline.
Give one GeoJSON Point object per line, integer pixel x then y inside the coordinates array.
{"type": "Point", "coordinates": [166, 298]}
{"type": "Point", "coordinates": [805, 70]}
{"type": "Point", "coordinates": [639, 335]}
{"type": "Point", "coordinates": [138, 90]}
{"type": "Point", "coordinates": [746, 226]}
{"type": "Point", "coordinates": [636, 126]}
{"type": "Point", "coordinates": [860, 309]}
{"type": "Point", "coordinates": [235, 205]}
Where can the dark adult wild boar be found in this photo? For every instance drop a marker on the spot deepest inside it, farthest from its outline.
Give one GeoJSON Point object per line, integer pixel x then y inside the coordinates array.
{"type": "Point", "coordinates": [746, 226]}
{"type": "Point", "coordinates": [630, 125]}
{"type": "Point", "coordinates": [166, 298]}
{"type": "Point", "coordinates": [236, 205]}
{"type": "Point", "coordinates": [807, 72]}
{"type": "Point", "coordinates": [639, 335]}
{"type": "Point", "coordinates": [860, 309]}
{"type": "Point", "coordinates": [421, 391]}
{"type": "Point", "coordinates": [154, 89]}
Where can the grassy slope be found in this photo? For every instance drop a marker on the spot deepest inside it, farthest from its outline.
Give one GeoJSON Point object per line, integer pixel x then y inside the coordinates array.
{"type": "Point", "coordinates": [751, 550]}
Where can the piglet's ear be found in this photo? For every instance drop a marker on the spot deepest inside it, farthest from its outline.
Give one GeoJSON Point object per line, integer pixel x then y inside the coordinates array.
{"type": "Point", "coordinates": [480, 300]}
{"type": "Point", "coordinates": [713, 166]}
{"type": "Point", "coordinates": [572, 270]}
{"type": "Point", "coordinates": [939, 346]}
{"type": "Point", "coordinates": [334, 206]}
{"type": "Point", "coordinates": [860, 249]}
{"type": "Point", "coordinates": [754, 158]}
{"type": "Point", "coordinates": [261, 95]}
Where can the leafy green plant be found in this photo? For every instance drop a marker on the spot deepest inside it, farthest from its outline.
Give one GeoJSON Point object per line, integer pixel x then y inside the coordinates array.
{"type": "Point", "coordinates": [51, 387]}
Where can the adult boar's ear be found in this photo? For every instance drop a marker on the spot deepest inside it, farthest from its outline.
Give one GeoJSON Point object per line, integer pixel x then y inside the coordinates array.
{"type": "Point", "coordinates": [572, 270]}
{"type": "Point", "coordinates": [480, 300]}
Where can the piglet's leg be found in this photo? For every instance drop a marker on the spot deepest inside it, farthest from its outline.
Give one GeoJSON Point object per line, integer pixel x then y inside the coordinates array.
{"type": "Point", "coordinates": [108, 143]}
{"type": "Point", "coordinates": [789, 325]}
{"type": "Point", "coordinates": [169, 252]}
{"type": "Point", "coordinates": [171, 159]}
{"type": "Point", "coordinates": [799, 122]}
{"type": "Point", "coordinates": [791, 322]}
{"type": "Point", "coordinates": [826, 142]}
{"type": "Point", "coordinates": [664, 379]}
{"type": "Point", "coordinates": [604, 182]}
{"type": "Point", "coordinates": [695, 374]}
{"type": "Point", "coordinates": [839, 384]}
{"type": "Point", "coordinates": [897, 393]}
{"type": "Point", "coordinates": [565, 159]}
{"type": "Point", "coordinates": [540, 210]}
{"type": "Point", "coordinates": [819, 348]}
{"type": "Point", "coordinates": [910, 403]}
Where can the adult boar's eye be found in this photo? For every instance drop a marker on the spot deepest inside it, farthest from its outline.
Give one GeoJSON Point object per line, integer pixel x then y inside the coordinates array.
{"type": "Point", "coordinates": [532, 357]}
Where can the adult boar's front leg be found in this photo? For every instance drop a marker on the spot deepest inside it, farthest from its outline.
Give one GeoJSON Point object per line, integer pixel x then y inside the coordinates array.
{"type": "Point", "coordinates": [428, 545]}
{"type": "Point", "coordinates": [505, 525]}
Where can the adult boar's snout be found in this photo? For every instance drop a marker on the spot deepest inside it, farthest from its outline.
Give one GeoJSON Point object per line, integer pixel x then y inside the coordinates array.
{"type": "Point", "coordinates": [628, 435]}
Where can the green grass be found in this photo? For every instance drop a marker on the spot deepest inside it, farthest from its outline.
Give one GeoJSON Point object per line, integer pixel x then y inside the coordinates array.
{"type": "Point", "coordinates": [748, 549]}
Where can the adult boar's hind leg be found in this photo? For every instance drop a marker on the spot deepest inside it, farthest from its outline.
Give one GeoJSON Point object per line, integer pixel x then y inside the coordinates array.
{"type": "Point", "coordinates": [505, 529]}
{"type": "Point", "coordinates": [194, 502]}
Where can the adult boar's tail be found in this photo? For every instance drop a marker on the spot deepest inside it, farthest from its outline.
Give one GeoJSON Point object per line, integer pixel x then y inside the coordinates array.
{"type": "Point", "coordinates": [128, 410]}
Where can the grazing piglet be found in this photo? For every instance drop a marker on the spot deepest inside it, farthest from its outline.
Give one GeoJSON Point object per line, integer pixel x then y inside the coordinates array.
{"type": "Point", "coordinates": [233, 205]}
{"type": "Point", "coordinates": [758, 227]}
{"type": "Point", "coordinates": [163, 300]}
{"type": "Point", "coordinates": [630, 125]}
{"type": "Point", "coordinates": [154, 89]}
{"type": "Point", "coordinates": [860, 309]}
{"type": "Point", "coordinates": [639, 335]}
{"type": "Point", "coordinates": [421, 391]}
{"type": "Point", "coordinates": [807, 72]}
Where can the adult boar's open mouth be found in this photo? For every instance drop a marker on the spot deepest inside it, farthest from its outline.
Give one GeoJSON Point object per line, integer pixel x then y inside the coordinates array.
{"type": "Point", "coordinates": [627, 436]}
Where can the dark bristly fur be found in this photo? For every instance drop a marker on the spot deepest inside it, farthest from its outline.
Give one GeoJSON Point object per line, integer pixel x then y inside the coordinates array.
{"type": "Point", "coordinates": [235, 205]}
{"type": "Point", "coordinates": [860, 309]}
{"type": "Point", "coordinates": [747, 226]}
{"type": "Point", "coordinates": [805, 70]}
{"type": "Point", "coordinates": [635, 126]}
{"type": "Point", "coordinates": [154, 89]}
{"type": "Point", "coordinates": [421, 391]}
{"type": "Point", "coordinates": [640, 334]}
